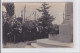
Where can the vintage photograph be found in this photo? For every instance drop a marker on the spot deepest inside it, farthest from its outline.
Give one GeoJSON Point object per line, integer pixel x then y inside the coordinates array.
{"type": "Point", "coordinates": [37, 25]}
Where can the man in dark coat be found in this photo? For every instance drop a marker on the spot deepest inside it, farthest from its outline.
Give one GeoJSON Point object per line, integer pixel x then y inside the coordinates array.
{"type": "Point", "coordinates": [6, 30]}
{"type": "Point", "coordinates": [15, 33]}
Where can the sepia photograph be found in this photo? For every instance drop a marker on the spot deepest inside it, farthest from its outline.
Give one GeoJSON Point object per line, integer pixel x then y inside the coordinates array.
{"type": "Point", "coordinates": [37, 24]}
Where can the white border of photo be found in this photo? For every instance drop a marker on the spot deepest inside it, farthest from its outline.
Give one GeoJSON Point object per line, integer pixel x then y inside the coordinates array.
{"type": "Point", "coordinates": [76, 30]}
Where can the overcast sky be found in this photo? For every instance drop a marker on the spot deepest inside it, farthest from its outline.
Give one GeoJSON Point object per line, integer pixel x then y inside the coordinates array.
{"type": "Point", "coordinates": [56, 10]}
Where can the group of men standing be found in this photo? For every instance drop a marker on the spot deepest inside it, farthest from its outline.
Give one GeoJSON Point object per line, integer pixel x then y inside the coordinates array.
{"type": "Point", "coordinates": [11, 33]}
{"type": "Point", "coordinates": [17, 32]}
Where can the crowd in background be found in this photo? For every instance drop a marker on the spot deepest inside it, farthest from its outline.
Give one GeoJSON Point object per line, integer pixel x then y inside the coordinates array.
{"type": "Point", "coordinates": [18, 32]}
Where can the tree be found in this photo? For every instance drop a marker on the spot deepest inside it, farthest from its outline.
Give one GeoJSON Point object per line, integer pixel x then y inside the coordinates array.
{"type": "Point", "coordinates": [9, 8]}
{"type": "Point", "coordinates": [46, 20]}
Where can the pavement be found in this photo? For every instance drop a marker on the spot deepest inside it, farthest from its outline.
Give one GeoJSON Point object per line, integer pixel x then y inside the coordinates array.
{"type": "Point", "coordinates": [41, 43]}
{"type": "Point", "coordinates": [17, 45]}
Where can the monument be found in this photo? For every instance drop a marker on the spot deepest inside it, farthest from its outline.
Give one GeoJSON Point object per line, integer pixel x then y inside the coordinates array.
{"type": "Point", "coordinates": [66, 28]}
{"type": "Point", "coordinates": [65, 36]}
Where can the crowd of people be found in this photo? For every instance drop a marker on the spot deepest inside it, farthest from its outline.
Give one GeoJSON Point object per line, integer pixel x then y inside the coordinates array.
{"type": "Point", "coordinates": [17, 32]}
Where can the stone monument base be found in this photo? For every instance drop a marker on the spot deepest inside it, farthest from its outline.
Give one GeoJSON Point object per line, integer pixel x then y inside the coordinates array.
{"type": "Point", "coordinates": [46, 43]}
{"type": "Point", "coordinates": [65, 34]}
